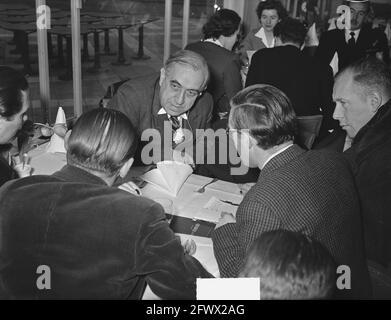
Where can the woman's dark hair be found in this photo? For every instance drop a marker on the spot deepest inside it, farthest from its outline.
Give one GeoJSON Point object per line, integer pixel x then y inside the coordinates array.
{"type": "Point", "coordinates": [272, 5]}
{"type": "Point", "coordinates": [222, 23]}
{"type": "Point", "coordinates": [266, 112]}
{"type": "Point", "coordinates": [12, 83]}
{"type": "Point", "coordinates": [102, 140]}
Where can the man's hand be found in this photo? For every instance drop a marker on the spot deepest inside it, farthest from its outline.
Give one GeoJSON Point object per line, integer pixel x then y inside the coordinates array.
{"type": "Point", "coordinates": [225, 218]}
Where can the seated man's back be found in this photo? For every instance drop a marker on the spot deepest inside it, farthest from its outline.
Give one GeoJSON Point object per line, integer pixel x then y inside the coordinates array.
{"type": "Point", "coordinates": [99, 242]}
{"type": "Point", "coordinates": [306, 82]}
{"type": "Point", "coordinates": [311, 192]}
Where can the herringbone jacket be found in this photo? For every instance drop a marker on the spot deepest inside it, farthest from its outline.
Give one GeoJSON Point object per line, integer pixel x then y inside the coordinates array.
{"type": "Point", "coordinates": [312, 192]}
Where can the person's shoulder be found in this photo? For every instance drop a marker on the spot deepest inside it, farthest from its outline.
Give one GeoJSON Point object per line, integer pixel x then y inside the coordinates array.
{"type": "Point", "coordinates": [126, 202]}
{"type": "Point", "coordinates": [330, 34]}
{"type": "Point", "coordinates": [203, 104]}
{"type": "Point", "coordinates": [195, 45]}
{"type": "Point", "coordinates": [140, 84]}
{"type": "Point", "coordinates": [266, 53]}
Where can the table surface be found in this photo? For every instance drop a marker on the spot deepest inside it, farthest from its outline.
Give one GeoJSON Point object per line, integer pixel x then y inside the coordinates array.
{"type": "Point", "coordinates": [188, 202]}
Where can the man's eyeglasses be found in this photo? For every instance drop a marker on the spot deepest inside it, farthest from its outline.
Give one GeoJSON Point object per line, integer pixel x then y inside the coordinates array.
{"type": "Point", "coordinates": [190, 93]}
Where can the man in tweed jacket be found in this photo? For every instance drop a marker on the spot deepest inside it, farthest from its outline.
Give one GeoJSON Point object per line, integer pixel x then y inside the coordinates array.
{"type": "Point", "coordinates": [311, 192]}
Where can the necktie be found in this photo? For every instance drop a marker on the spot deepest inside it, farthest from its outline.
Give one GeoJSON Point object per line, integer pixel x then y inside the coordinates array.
{"type": "Point", "coordinates": [175, 123]}
{"type": "Point", "coordinates": [352, 40]}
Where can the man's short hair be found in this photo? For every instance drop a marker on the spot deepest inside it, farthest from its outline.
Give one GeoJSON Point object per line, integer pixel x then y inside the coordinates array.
{"type": "Point", "coordinates": [291, 30]}
{"type": "Point", "coordinates": [102, 140]}
{"type": "Point", "coordinates": [266, 112]}
{"type": "Point", "coordinates": [290, 265]}
{"type": "Point", "coordinates": [189, 58]}
{"type": "Point", "coordinates": [12, 83]}
{"type": "Point", "coordinates": [370, 74]}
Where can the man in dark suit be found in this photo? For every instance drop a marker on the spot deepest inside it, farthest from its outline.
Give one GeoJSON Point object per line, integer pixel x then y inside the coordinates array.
{"type": "Point", "coordinates": [165, 106]}
{"type": "Point", "coordinates": [307, 83]}
{"type": "Point", "coordinates": [355, 42]}
{"type": "Point", "coordinates": [305, 191]}
{"type": "Point", "coordinates": [72, 235]}
{"type": "Point", "coordinates": [363, 95]}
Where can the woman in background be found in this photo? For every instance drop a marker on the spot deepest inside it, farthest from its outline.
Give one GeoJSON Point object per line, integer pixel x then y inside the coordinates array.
{"type": "Point", "coordinates": [220, 35]}
{"type": "Point", "coordinates": [14, 102]}
{"type": "Point", "coordinates": [269, 13]}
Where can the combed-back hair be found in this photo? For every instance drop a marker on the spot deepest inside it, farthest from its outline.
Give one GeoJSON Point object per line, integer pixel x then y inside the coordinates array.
{"type": "Point", "coordinates": [189, 58]}
{"type": "Point", "coordinates": [102, 140]}
{"type": "Point", "coordinates": [291, 30]}
{"type": "Point", "coordinates": [272, 5]}
{"type": "Point", "coordinates": [370, 74]}
{"type": "Point", "coordinates": [290, 265]}
{"type": "Point", "coordinates": [266, 112]}
{"type": "Point", "coordinates": [223, 22]}
{"type": "Point", "coordinates": [12, 83]}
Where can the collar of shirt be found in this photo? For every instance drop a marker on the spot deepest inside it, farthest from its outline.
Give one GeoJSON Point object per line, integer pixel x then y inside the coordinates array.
{"type": "Point", "coordinates": [276, 154]}
{"type": "Point", "coordinates": [347, 34]}
{"type": "Point", "coordinates": [216, 42]}
{"type": "Point", "coordinates": [261, 34]}
{"type": "Point", "coordinates": [182, 116]}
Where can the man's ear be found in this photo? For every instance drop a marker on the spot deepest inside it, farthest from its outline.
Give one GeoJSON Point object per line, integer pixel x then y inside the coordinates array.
{"type": "Point", "coordinates": [376, 101]}
{"type": "Point", "coordinates": [66, 139]}
{"type": "Point", "coordinates": [125, 168]}
{"type": "Point", "coordinates": [162, 76]}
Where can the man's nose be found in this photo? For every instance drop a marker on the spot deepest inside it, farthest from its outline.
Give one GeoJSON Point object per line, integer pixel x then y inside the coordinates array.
{"type": "Point", "coordinates": [337, 112]}
{"type": "Point", "coordinates": [180, 97]}
{"type": "Point", "coordinates": [353, 18]}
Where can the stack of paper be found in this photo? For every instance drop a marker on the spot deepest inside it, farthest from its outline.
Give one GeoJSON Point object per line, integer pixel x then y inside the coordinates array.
{"type": "Point", "coordinates": [56, 143]}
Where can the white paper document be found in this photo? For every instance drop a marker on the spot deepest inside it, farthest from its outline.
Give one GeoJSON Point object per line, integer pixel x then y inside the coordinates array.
{"type": "Point", "coordinates": [218, 205]}
{"type": "Point", "coordinates": [169, 175]}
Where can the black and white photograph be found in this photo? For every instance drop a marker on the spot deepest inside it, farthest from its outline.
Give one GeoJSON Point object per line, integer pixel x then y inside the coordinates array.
{"type": "Point", "coordinates": [216, 152]}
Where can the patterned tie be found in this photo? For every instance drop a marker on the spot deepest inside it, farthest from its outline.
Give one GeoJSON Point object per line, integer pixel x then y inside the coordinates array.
{"type": "Point", "coordinates": [175, 123]}
{"type": "Point", "coordinates": [352, 40]}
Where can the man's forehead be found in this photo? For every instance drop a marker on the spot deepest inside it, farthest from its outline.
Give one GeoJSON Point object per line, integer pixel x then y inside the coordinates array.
{"type": "Point", "coordinates": [185, 74]}
{"type": "Point", "coordinates": [359, 6]}
{"type": "Point", "coordinates": [343, 84]}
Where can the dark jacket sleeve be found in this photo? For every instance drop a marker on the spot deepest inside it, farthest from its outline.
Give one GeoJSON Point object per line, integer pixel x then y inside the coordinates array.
{"type": "Point", "coordinates": [255, 72]}
{"type": "Point", "coordinates": [326, 48]}
{"type": "Point", "coordinates": [160, 258]}
{"type": "Point", "coordinates": [232, 81]}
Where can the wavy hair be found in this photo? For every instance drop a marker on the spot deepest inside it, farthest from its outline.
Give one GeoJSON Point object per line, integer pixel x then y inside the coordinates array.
{"type": "Point", "coordinates": [266, 112]}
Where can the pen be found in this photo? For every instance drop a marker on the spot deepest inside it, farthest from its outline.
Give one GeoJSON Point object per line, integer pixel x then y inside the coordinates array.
{"type": "Point", "coordinates": [229, 202]}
